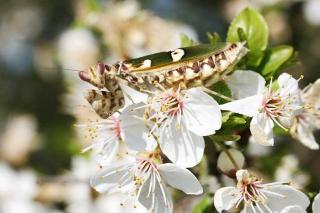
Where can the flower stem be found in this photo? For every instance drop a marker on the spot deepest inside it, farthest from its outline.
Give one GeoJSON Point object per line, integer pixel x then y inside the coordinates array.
{"type": "Point", "coordinates": [216, 93]}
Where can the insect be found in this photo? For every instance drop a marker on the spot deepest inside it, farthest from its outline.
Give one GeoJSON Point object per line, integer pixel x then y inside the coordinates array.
{"type": "Point", "coordinates": [195, 66]}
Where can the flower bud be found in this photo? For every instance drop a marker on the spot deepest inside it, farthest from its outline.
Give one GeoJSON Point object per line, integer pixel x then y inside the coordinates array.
{"type": "Point", "coordinates": [231, 161]}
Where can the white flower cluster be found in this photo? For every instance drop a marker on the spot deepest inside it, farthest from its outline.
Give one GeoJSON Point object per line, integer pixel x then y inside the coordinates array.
{"type": "Point", "coordinates": [132, 145]}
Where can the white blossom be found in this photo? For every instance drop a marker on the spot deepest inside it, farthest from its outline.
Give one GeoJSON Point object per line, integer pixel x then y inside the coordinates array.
{"type": "Point", "coordinates": [17, 191]}
{"type": "Point", "coordinates": [316, 204]}
{"type": "Point", "coordinates": [311, 12]}
{"type": "Point", "coordinates": [108, 135]}
{"type": "Point", "coordinates": [245, 83]}
{"type": "Point", "coordinates": [269, 106]}
{"type": "Point", "coordinates": [289, 170]}
{"type": "Point", "coordinates": [308, 120]}
{"type": "Point", "coordinates": [77, 49]}
{"type": "Point", "coordinates": [257, 196]}
{"type": "Point", "coordinates": [179, 120]}
{"type": "Point", "coordinates": [144, 177]}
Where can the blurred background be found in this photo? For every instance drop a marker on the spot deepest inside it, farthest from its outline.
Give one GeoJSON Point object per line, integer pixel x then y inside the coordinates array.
{"type": "Point", "coordinates": [43, 43]}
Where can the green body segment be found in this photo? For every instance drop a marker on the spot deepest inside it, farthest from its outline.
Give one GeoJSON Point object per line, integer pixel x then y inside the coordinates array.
{"type": "Point", "coordinates": [164, 59]}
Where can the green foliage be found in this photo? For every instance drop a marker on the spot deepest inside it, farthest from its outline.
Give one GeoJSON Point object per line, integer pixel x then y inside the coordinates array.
{"type": "Point", "coordinates": [274, 58]}
{"type": "Point", "coordinates": [185, 41]}
{"type": "Point", "coordinates": [251, 26]}
{"type": "Point", "coordinates": [213, 38]}
{"type": "Point", "coordinates": [221, 88]}
{"type": "Point", "coordinates": [222, 138]}
{"type": "Point", "coordinates": [233, 121]}
{"type": "Point", "coordinates": [230, 124]}
{"type": "Point", "coordinates": [92, 5]}
{"type": "Point", "coordinates": [204, 206]}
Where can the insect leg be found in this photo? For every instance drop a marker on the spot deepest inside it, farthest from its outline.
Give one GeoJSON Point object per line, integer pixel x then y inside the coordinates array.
{"type": "Point", "coordinates": [105, 103]}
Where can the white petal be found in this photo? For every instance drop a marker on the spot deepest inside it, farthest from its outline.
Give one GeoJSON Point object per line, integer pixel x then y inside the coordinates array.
{"type": "Point", "coordinates": [108, 179]}
{"type": "Point", "coordinates": [225, 164]}
{"type": "Point", "coordinates": [132, 96]}
{"type": "Point", "coordinates": [225, 198]}
{"type": "Point", "coordinates": [316, 204]}
{"type": "Point", "coordinates": [245, 83]}
{"type": "Point", "coordinates": [106, 152]}
{"type": "Point", "coordinates": [287, 85]}
{"type": "Point", "coordinates": [247, 106]}
{"type": "Point", "coordinates": [288, 196]}
{"type": "Point", "coordinates": [261, 130]}
{"type": "Point", "coordinates": [136, 134]}
{"type": "Point", "coordinates": [162, 202]}
{"type": "Point", "coordinates": [293, 209]}
{"type": "Point", "coordinates": [180, 178]}
{"type": "Point", "coordinates": [181, 146]}
{"type": "Point", "coordinates": [305, 135]}
{"type": "Point", "coordinates": [201, 113]}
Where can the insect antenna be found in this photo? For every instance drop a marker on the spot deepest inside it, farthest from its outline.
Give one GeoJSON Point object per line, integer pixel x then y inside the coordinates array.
{"type": "Point", "coordinates": [59, 68]}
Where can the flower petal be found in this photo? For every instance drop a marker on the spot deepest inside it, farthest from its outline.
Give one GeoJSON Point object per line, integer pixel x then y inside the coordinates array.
{"type": "Point", "coordinates": [245, 83]}
{"type": "Point", "coordinates": [282, 196]}
{"type": "Point", "coordinates": [305, 135]}
{"type": "Point", "coordinates": [162, 200]}
{"type": "Point", "coordinates": [106, 152]}
{"type": "Point", "coordinates": [293, 209]}
{"type": "Point", "coordinates": [136, 134]}
{"type": "Point", "coordinates": [316, 204]}
{"type": "Point", "coordinates": [247, 106]}
{"type": "Point", "coordinates": [108, 179]}
{"type": "Point", "coordinates": [287, 85]}
{"type": "Point", "coordinates": [225, 198]}
{"type": "Point", "coordinates": [181, 146]}
{"type": "Point", "coordinates": [173, 175]}
{"type": "Point", "coordinates": [132, 96]}
{"type": "Point", "coordinates": [261, 130]}
{"type": "Point", "coordinates": [201, 113]}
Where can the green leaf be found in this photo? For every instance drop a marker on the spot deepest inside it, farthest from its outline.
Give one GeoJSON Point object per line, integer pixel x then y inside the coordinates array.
{"type": "Point", "coordinates": [226, 116]}
{"type": "Point", "coordinates": [251, 26]}
{"type": "Point", "coordinates": [235, 120]}
{"type": "Point", "coordinates": [185, 41]}
{"type": "Point", "coordinates": [92, 5]}
{"type": "Point", "coordinates": [275, 58]}
{"type": "Point", "coordinates": [204, 206]}
{"type": "Point", "coordinates": [223, 138]}
{"type": "Point", "coordinates": [294, 60]}
{"type": "Point", "coordinates": [223, 89]}
{"type": "Point", "coordinates": [213, 38]}
{"type": "Point", "coordinates": [254, 59]}
{"type": "Point", "coordinates": [232, 123]}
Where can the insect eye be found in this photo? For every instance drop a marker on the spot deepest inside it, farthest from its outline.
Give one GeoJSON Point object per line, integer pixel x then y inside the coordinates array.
{"type": "Point", "coordinates": [233, 46]}
{"type": "Point", "coordinates": [107, 67]}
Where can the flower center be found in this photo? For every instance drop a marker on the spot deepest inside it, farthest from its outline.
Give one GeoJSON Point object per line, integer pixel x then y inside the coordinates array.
{"type": "Point", "coordinates": [273, 105]}
{"type": "Point", "coordinates": [250, 190]}
{"type": "Point", "coordinates": [172, 104]}
{"type": "Point", "coordinates": [116, 128]}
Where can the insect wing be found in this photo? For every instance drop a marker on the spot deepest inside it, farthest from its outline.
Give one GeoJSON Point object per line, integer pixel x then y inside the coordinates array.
{"type": "Point", "coordinates": [164, 60]}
